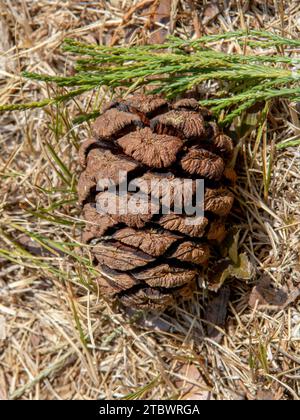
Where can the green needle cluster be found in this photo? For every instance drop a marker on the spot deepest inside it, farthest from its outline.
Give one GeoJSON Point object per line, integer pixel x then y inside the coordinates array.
{"type": "Point", "coordinates": [261, 74]}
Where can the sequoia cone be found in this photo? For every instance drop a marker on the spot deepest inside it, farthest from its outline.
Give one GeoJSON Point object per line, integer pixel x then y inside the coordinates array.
{"type": "Point", "coordinates": [148, 258]}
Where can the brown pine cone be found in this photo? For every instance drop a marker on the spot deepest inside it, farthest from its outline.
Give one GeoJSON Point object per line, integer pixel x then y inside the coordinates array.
{"type": "Point", "coordinates": [148, 258]}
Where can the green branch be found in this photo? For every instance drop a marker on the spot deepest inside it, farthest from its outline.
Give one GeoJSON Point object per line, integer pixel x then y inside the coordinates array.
{"type": "Point", "coordinates": [180, 65]}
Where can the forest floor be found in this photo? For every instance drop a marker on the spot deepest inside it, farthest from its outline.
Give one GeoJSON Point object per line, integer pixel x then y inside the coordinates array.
{"type": "Point", "coordinates": [60, 340]}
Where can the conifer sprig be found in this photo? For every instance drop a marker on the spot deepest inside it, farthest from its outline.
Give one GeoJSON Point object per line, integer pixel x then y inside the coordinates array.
{"type": "Point", "coordinates": [180, 65]}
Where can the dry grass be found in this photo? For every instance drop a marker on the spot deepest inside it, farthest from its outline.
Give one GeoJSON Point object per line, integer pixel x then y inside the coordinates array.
{"type": "Point", "coordinates": [58, 338]}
